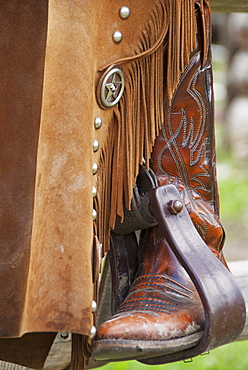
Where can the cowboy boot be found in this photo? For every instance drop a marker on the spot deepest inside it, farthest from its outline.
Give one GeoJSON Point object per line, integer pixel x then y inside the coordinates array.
{"type": "Point", "coordinates": [162, 313]}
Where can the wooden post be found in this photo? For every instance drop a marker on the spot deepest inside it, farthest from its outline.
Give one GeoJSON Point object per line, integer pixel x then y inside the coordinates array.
{"type": "Point", "coordinates": [228, 6]}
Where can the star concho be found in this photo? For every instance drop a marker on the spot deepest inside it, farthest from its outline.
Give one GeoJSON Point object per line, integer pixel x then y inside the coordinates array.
{"type": "Point", "coordinates": [110, 87]}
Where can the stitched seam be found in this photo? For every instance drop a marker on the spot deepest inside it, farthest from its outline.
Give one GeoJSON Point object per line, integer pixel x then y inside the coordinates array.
{"type": "Point", "coordinates": [163, 277]}
{"type": "Point", "coordinates": [162, 285]}
{"type": "Point", "coordinates": [161, 292]}
{"type": "Point", "coordinates": [153, 305]}
{"type": "Point", "coordinates": [147, 299]}
{"type": "Point", "coordinates": [147, 310]}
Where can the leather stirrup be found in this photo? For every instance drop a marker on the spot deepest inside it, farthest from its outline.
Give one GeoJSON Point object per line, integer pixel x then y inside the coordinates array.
{"type": "Point", "coordinates": [216, 286]}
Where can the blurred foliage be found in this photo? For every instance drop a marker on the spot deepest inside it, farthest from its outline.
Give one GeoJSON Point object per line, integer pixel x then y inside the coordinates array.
{"type": "Point", "coordinates": [232, 177]}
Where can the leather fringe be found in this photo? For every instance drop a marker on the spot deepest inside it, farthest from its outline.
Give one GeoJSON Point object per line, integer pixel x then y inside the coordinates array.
{"type": "Point", "coordinates": [181, 42]}
{"type": "Point", "coordinates": [80, 352]}
{"type": "Point", "coordinates": [77, 358]}
{"type": "Point", "coordinates": [167, 40]}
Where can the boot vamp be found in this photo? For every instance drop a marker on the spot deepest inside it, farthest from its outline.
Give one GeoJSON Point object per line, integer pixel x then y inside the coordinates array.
{"type": "Point", "coordinates": [156, 308]}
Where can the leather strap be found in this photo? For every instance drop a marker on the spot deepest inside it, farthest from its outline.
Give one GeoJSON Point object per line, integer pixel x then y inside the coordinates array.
{"type": "Point", "coordinates": [123, 258]}
{"type": "Point", "coordinates": [139, 216]}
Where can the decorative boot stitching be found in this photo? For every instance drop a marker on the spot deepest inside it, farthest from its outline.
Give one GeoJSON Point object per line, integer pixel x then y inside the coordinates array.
{"type": "Point", "coordinates": [163, 277]}
{"type": "Point", "coordinates": [157, 287]}
{"type": "Point", "coordinates": [146, 304]}
{"type": "Point", "coordinates": [162, 289]}
{"type": "Point", "coordinates": [185, 136]}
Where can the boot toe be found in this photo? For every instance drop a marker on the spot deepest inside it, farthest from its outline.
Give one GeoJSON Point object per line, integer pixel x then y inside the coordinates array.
{"type": "Point", "coordinates": [139, 335]}
{"type": "Point", "coordinates": [160, 315]}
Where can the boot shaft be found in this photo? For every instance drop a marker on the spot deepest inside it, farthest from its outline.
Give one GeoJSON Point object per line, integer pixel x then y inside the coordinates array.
{"type": "Point", "coordinates": [184, 151]}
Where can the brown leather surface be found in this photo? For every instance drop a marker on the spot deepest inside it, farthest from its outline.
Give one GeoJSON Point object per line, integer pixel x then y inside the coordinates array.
{"type": "Point", "coordinates": [44, 221]}
{"type": "Point", "coordinates": [21, 69]}
{"type": "Point", "coordinates": [51, 54]}
{"type": "Point", "coordinates": [30, 350]}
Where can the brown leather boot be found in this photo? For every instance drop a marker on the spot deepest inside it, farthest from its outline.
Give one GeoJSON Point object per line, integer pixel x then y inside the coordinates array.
{"type": "Point", "coordinates": [162, 312]}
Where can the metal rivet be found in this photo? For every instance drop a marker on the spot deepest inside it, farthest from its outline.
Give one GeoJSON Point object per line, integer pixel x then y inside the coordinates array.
{"type": "Point", "coordinates": [175, 206]}
{"type": "Point", "coordinates": [117, 37]}
{"type": "Point", "coordinates": [124, 12]}
{"type": "Point", "coordinates": [112, 87]}
{"type": "Point", "coordinates": [94, 192]}
{"type": "Point", "coordinates": [94, 214]}
{"type": "Point", "coordinates": [95, 145]}
{"type": "Point", "coordinates": [65, 336]}
{"type": "Point", "coordinates": [94, 306]}
{"type": "Point", "coordinates": [92, 332]}
{"type": "Point", "coordinates": [98, 123]}
{"type": "Point", "coordinates": [94, 168]}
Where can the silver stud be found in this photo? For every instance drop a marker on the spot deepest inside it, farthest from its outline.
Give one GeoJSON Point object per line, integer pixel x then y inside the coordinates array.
{"type": "Point", "coordinates": [94, 214]}
{"type": "Point", "coordinates": [175, 206]}
{"type": "Point", "coordinates": [94, 168]}
{"type": "Point", "coordinates": [117, 37]}
{"type": "Point", "coordinates": [98, 123]}
{"type": "Point", "coordinates": [124, 12]}
{"type": "Point", "coordinates": [92, 332]}
{"type": "Point", "coordinates": [95, 145]}
{"type": "Point", "coordinates": [94, 192]}
{"type": "Point", "coordinates": [94, 306]}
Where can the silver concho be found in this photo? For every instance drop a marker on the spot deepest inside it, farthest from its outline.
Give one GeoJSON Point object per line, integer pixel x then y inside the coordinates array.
{"type": "Point", "coordinates": [111, 87]}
